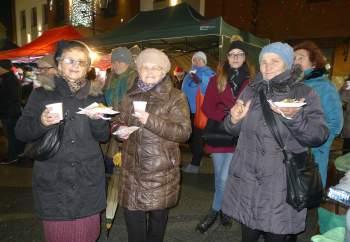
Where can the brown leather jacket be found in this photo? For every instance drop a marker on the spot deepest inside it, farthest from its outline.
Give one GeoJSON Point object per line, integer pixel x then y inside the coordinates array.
{"type": "Point", "coordinates": [150, 174]}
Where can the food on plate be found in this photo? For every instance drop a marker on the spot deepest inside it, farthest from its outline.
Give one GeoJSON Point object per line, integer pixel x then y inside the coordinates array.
{"type": "Point", "coordinates": [290, 100]}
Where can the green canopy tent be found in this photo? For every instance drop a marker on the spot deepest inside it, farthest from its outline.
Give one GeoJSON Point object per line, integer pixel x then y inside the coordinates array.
{"type": "Point", "coordinates": [178, 30]}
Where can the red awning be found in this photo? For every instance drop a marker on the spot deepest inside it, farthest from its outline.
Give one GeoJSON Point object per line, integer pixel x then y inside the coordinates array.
{"type": "Point", "coordinates": [43, 45]}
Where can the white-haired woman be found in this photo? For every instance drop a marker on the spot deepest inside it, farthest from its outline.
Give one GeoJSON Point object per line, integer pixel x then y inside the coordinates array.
{"type": "Point", "coordinates": [150, 174]}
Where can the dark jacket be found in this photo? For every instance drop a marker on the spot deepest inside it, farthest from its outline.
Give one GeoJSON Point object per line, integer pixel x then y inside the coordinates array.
{"type": "Point", "coordinates": [345, 96]}
{"type": "Point", "coordinates": [10, 98]}
{"type": "Point", "coordinates": [150, 175]}
{"type": "Point", "coordinates": [255, 192]}
{"type": "Point", "coordinates": [71, 184]}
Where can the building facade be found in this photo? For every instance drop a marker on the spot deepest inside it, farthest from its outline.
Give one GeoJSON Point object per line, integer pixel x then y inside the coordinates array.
{"type": "Point", "coordinates": [30, 20]}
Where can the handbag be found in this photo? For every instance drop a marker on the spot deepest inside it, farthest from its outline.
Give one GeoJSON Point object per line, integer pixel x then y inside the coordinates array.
{"type": "Point", "coordinates": [214, 134]}
{"type": "Point", "coordinates": [47, 145]}
{"type": "Point", "coordinates": [304, 184]}
{"type": "Point", "coordinates": [200, 119]}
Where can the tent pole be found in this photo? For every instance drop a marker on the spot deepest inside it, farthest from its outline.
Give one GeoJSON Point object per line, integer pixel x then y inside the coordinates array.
{"type": "Point", "coordinates": [221, 47]}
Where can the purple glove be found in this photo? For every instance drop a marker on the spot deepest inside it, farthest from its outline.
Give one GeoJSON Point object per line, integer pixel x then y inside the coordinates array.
{"type": "Point", "coordinates": [195, 78]}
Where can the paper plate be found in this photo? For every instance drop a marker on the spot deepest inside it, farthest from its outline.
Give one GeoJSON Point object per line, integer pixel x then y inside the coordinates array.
{"type": "Point", "coordinates": [289, 105]}
{"type": "Point", "coordinates": [125, 131]}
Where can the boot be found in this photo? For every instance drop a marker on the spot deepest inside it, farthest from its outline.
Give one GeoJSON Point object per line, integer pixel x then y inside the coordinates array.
{"type": "Point", "coordinates": [225, 219]}
{"type": "Point", "coordinates": [207, 222]}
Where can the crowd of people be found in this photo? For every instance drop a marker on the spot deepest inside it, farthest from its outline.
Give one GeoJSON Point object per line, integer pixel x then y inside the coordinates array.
{"type": "Point", "coordinates": [249, 174]}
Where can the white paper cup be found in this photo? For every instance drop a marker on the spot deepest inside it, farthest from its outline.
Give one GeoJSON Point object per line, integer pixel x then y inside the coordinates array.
{"type": "Point", "coordinates": [139, 106]}
{"type": "Point", "coordinates": [56, 108]}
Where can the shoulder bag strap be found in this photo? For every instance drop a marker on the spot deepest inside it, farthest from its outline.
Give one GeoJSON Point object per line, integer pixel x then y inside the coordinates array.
{"type": "Point", "coordinates": [271, 121]}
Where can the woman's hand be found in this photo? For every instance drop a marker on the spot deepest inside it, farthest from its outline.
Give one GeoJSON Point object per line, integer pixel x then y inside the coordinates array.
{"type": "Point", "coordinates": [123, 135]}
{"type": "Point", "coordinates": [287, 112]}
{"type": "Point", "coordinates": [239, 111]}
{"type": "Point", "coordinates": [141, 116]}
{"type": "Point", "coordinates": [48, 118]}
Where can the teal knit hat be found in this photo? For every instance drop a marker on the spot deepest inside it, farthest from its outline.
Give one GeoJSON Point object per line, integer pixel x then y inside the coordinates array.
{"type": "Point", "coordinates": [283, 50]}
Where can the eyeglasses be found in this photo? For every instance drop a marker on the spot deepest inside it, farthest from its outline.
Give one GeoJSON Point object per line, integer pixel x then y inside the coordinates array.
{"type": "Point", "coordinates": [236, 55]}
{"type": "Point", "coordinates": [152, 69]}
{"type": "Point", "coordinates": [70, 61]}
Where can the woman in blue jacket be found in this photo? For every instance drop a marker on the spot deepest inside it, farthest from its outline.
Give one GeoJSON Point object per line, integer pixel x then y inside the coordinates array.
{"type": "Point", "coordinates": [309, 56]}
{"type": "Point", "coordinates": [198, 76]}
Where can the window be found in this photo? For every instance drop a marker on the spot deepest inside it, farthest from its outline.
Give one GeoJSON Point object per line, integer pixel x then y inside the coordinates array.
{"type": "Point", "coordinates": [108, 8]}
{"type": "Point", "coordinates": [34, 17]}
{"type": "Point", "coordinates": [23, 19]}
{"type": "Point", "coordinates": [45, 13]}
{"type": "Point", "coordinates": [60, 6]}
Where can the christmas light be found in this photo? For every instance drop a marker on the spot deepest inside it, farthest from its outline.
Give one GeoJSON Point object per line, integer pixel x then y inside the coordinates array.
{"type": "Point", "coordinates": [81, 12]}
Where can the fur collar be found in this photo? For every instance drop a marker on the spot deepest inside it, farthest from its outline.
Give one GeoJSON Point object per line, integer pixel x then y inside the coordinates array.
{"type": "Point", "coordinates": [48, 83]}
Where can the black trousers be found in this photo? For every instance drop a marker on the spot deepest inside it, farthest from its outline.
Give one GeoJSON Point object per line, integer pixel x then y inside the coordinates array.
{"type": "Point", "coordinates": [14, 146]}
{"type": "Point", "coordinates": [196, 144]}
{"type": "Point", "coordinates": [346, 145]}
{"type": "Point", "coordinates": [146, 226]}
{"type": "Point", "coordinates": [252, 235]}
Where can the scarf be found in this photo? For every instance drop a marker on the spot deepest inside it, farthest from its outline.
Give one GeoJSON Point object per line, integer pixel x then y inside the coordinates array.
{"type": "Point", "coordinates": [144, 87]}
{"type": "Point", "coordinates": [236, 77]}
{"type": "Point", "coordinates": [75, 85]}
{"type": "Point", "coordinates": [314, 73]}
{"type": "Point", "coordinates": [117, 88]}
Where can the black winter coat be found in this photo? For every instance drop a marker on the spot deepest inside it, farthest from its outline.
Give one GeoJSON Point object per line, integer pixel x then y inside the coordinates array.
{"type": "Point", "coordinates": [71, 184]}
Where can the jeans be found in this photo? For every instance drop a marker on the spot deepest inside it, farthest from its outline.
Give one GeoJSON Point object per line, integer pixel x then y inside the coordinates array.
{"type": "Point", "coordinates": [221, 163]}
{"type": "Point", "coordinates": [143, 228]}
{"type": "Point", "coordinates": [321, 156]}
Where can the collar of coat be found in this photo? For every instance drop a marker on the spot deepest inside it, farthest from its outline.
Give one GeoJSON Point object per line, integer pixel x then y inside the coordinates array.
{"type": "Point", "coordinates": [92, 88]}
{"type": "Point", "coordinates": [281, 83]}
{"type": "Point", "coordinates": [161, 90]}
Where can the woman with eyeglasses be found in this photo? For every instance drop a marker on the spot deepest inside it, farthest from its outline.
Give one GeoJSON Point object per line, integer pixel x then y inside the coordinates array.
{"type": "Point", "coordinates": [69, 187]}
{"type": "Point", "coordinates": [221, 94]}
{"type": "Point", "coordinates": [150, 174]}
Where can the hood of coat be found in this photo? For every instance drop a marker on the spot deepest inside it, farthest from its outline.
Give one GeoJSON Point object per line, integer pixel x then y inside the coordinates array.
{"type": "Point", "coordinates": [49, 83]}
{"type": "Point", "coordinates": [280, 83]}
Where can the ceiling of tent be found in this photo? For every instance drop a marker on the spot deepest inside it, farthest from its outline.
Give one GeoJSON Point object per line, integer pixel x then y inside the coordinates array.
{"type": "Point", "coordinates": [179, 31]}
{"type": "Point", "coordinates": [178, 26]}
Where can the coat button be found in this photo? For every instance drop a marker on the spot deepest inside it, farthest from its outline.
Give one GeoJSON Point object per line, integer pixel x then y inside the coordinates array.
{"type": "Point", "coordinates": [72, 141]}
{"type": "Point", "coordinates": [263, 152]}
{"type": "Point", "coordinates": [73, 164]}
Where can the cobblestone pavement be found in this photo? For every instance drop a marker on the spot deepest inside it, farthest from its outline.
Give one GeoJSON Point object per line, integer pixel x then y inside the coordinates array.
{"type": "Point", "coordinates": [19, 224]}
